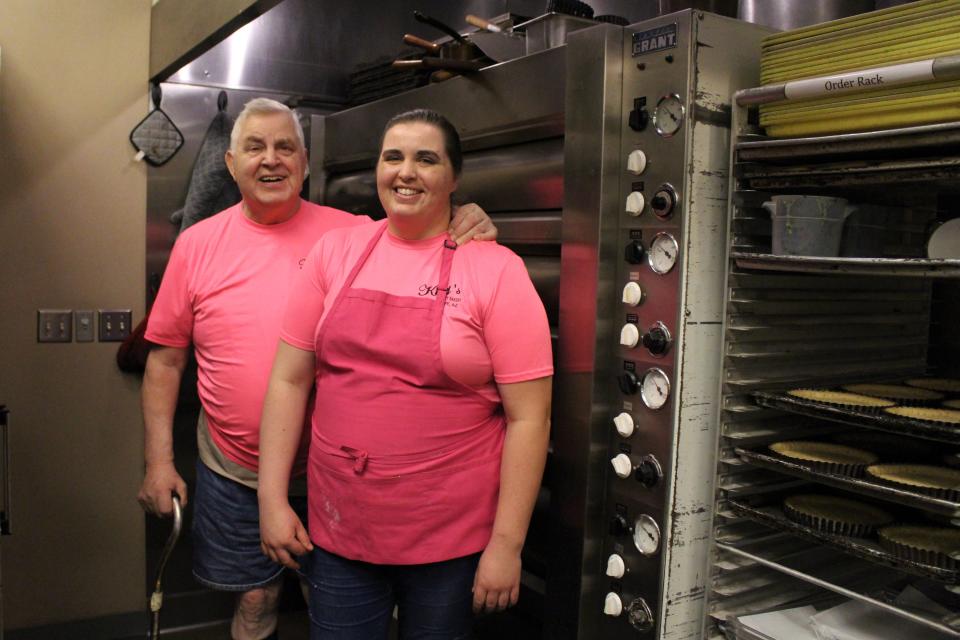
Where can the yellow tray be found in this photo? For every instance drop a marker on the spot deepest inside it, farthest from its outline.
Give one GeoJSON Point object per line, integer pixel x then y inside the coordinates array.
{"type": "Point", "coordinates": [890, 15]}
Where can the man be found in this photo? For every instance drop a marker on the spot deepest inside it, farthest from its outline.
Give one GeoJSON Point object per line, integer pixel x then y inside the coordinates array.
{"type": "Point", "coordinates": [224, 293]}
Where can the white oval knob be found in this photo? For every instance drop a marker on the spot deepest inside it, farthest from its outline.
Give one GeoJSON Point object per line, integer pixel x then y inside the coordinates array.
{"type": "Point", "coordinates": [615, 566]}
{"type": "Point", "coordinates": [636, 162]}
{"type": "Point", "coordinates": [622, 465]}
{"type": "Point", "coordinates": [624, 424]}
{"type": "Point", "coordinates": [629, 335]}
{"type": "Point", "coordinates": [612, 605]}
{"type": "Point", "coordinates": [632, 294]}
{"type": "Point", "coordinates": [635, 203]}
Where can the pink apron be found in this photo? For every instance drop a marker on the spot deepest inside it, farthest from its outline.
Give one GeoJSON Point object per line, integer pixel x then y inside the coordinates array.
{"type": "Point", "coordinates": [404, 461]}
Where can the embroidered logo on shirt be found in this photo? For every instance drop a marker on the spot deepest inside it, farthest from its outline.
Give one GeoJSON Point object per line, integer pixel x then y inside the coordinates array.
{"type": "Point", "coordinates": [300, 262]}
{"type": "Point", "coordinates": [451, 291]}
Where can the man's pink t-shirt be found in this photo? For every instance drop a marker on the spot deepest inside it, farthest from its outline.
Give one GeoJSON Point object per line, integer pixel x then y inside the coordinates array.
{"type": "Point", "coordinates": [494, 327]}
{"type": "Point", "coordinates": [225, 290]}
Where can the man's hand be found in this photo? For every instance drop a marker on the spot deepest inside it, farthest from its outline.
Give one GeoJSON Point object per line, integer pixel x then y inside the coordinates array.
{"type": "Point", "coordinates": [496, 584]}
{"type": "Point", "coordinates": [159, 484]}
{"type": "Point", "coordinates": [282, 535]}
{"type": "Point", "coordinates": [471, 222]}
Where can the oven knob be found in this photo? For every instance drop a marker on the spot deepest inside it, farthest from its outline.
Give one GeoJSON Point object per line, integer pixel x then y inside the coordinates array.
{"type": "Point", "coordinates": [648, 472]}
{"type": "Point", "coordinates": [612, 605]}
{"type": "Point", "coordinates": [657, 340]}
{"type": "Point", "coordinates": [619, 525]}
{"type": "Point", "coordinates": [640, 615]}
{"type": "Point", "coordinates": [627, 381]}
{"type": "Point", "coordinates": [629, 335]}
{"type": "Point", "coordinates": [664, 201]}
{"type": "Point", "coordinates": [632, 294]}
{"type": "Point", "coordinates": [624, 424]}
{"type": "Point", "coordinates": [635, 203]}
{"type": "Point", "coordinates": [615, 566]}
{"type": "Point", "coordinates": [636, 162]}
{"type": "Point", "coordinates": [633, 252]}
{"type": "Point", "coordinates": [622, 465]}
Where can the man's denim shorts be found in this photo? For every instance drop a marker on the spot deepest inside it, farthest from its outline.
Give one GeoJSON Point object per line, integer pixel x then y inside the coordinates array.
{"type": "Point", "coordinates": [226, 534]}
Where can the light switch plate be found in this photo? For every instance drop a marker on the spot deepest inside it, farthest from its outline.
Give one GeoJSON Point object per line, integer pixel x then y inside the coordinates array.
{"type": "Point", "coordinates": [54, 325]}
{"type": "Point", "coordinates": [84, 325]}
{"type": "Point", "coordinates": [114, 324]}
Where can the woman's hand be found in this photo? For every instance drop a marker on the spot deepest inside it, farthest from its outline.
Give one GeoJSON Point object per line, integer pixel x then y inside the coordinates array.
{"type": "Point", "coordinates": [282, 535]}
{"type": "Point", "coordinates": [496, 584]}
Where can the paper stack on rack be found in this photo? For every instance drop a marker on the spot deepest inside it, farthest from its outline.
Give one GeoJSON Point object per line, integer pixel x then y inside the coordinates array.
{"type": "Point", "coordinates": [912, 33]}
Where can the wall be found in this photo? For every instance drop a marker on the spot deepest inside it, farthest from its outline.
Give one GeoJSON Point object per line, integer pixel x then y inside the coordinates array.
{"type": "Point", "coordinates": [72, 224]}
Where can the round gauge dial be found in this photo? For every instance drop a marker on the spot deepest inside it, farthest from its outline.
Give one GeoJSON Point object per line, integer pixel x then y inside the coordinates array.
{"type": "Point", "coordinates": [668, 116]}
{"type": "Point", "coordinates": [655, 388]}
{"type": "Point", "coordinates": [663, 253]}
{"type": "Point", "coordinates": [646, 535]}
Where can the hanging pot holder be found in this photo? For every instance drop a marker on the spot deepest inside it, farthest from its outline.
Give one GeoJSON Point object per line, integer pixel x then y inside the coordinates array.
{"type": "Point", "coordinates": [156, 138]}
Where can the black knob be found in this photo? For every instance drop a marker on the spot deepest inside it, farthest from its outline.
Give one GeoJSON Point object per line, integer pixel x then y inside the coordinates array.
{"type": "Point", "coordinates": [656, 341]}
{"type": "Point", "coordinates": [633, 252]}
{"type": "Point", "coordinates": [627, 381]}
{"type": "Point", "coordinates": [648, 473]}
{"type": "Point", "coordinates": [638, 116]}
{"type": "Point", "coordinates": [663, 201]}
{"type": "Point", "coordinates": [619, 525]}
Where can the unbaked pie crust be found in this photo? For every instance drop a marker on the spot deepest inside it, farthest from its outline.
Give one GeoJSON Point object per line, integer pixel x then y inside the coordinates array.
{"type": "Point", "coordinates": [928, 545]}
{"type": "Point", "coordinates": [942, 482]}
{"type": "Point", "coordinates": [896, 392]}
{"type": "Point", "coordinates": [928, 414]}
{"type": "Point", "coordinates": [841, 398]}
{"type": "Point", "coordinates": [947, 385]}
{"type": "Point", "coordinates": [826, 456]}
{"type": "Point", "coordinates": [831, 514]}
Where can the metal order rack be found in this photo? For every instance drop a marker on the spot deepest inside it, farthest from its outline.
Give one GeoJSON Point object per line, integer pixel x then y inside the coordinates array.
{"type": "Point", "coordinates": [801, 321]}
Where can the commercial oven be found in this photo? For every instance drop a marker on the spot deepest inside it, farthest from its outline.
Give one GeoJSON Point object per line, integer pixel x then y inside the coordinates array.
{"type": "Point", "coordinates": [604, 164]}
{"type": "Point", "coordinates": [884, 315]}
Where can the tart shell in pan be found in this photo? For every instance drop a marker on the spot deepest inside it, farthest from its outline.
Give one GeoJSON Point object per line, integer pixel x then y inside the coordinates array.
{"type": "Point", "coordinates": [941, 482]}
{"type": "Point", "coordinates": [842, 399]}
{"type": "Point", "coordinates": [826, 456]}
{"type": "Point", "coordinates": [927, 414]}
{"type": "Point", "coordinates": [946, 385]}
{"type": "Point", "coordinates": [934, 546]}
{"type": "Point", "coordinates": [838, 516]}
{"type": "Point", "coordinates": [901, 394]}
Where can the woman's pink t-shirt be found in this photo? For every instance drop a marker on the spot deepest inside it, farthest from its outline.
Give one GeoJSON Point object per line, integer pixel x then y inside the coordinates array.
{"type": "Point", "coordinates": [494, 327]}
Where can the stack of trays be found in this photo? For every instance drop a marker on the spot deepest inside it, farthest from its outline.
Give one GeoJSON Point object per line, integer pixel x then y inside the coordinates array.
{"type": "Point", "coordinates": [907, 33]}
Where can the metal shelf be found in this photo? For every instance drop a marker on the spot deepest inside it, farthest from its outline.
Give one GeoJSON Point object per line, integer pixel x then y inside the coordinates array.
{"type": "Point", "coordinates": [854, 595]}
{"type": "Point", "coordinates": [856, 485]}
{"type": "Point", "coordinates": [859, 547]}
{"type": "Point", "coordinates": [940, 432]}
{"type": "Point", "coordinates": [901, 267]}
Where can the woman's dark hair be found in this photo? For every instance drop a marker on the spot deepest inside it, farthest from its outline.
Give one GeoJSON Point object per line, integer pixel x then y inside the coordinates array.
{"type": "Point", "coordinates": [451, 139]}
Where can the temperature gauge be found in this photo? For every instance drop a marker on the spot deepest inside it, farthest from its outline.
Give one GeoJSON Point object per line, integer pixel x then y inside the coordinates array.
{"type": "Point", "coordinates": [663, 252]}
{"type": "Point", "coordinates": [668, 116]}
{"type": "Point", "coordinates": [655, 388]}
{"type": "Point", "coordinates": [646, 535]}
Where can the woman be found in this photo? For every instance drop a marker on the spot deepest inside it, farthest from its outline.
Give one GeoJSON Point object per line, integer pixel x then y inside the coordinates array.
{"type": "Point", "coordinates": [432, 369]}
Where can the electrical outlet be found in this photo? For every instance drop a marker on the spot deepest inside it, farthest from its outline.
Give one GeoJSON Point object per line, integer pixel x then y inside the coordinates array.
{"type": "Point", "coordinates": [54, 325]}
{"type": "Point", "coordinates": [83, 325]}
{"type": "Point", "coordinates": [115, 324]}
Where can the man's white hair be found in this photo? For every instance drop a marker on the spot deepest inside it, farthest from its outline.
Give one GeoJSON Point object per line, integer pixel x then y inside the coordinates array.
{"type": "Point", "coordinates": [261, 107]}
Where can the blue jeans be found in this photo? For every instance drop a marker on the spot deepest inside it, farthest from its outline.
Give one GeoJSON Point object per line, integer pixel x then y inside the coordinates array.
{"type": "Point", "coordinates": [353, 600]}
{"type": "Point", "coordinates": [226, 534]}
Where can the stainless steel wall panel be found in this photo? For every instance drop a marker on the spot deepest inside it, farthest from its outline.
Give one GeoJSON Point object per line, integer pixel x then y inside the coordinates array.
{"type": "Point", "coordinates": [589, 253]}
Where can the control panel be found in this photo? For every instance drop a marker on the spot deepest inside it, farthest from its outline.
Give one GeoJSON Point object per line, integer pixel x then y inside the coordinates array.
{"type": "Point", "coordinates": [653, 148]}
